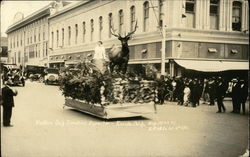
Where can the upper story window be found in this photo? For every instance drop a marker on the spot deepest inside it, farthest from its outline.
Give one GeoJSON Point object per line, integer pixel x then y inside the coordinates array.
{"type": "Point", "coordinates": [28, 39]}
{"type": "Point", "coordinates": [83, 31]}
{"type": "Point", "coordinates": [17, 41]}
{"type": "Point", "coordinates": [43, 32]}
{"type": "Point", "coordinates": [52, 39]}
{"type": "Point", "coordinates": [31, 36]}
{"type": "Point", "coordinates": [57, 38]}
{"type": "Point", "coordinates": [161, 13]}
{"type": "Point", "coordinates": [121, 21]}
{"type": "Point", "coordinates": [132, 18]}
{"type": "Point", "coordinates": [145, 16]}
{"type": "Point", "coordinates": [190, 13]}
{"type": "Point", "coordinates": [21, 40]}
{"type": "Point", "coordinates": [236, 21]}
{"type": "Point", "coordinates": [69, 35]}
{"type": "Point", "coordinates": [35, 35]}
{"type": "Point", "coordinates": [39, 34]}
{"type": "Point", "coordinates": [100, 27]}
{"type": "Point", "coordinates": [214, 14]}
{"type": "Point", "coordinates": [62, 36]}
{"type": "Point", "coordinates": [91, 29]}
{"type": "Point", "coordinates": [110, 23]}
{"type": "Point", "coordinates": [76, 33]}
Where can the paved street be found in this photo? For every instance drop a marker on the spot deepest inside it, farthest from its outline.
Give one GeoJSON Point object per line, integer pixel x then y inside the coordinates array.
{"type": "Point", "coordinates": [42, 128]}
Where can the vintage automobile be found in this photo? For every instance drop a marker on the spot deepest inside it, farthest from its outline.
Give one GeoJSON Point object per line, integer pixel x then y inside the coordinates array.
{"type": "Point", "coordinates": [51, 76]}
{"type": "Point", "coordinates": [35, 73]}
{"type": "Point", "coordinates": [14, 76]}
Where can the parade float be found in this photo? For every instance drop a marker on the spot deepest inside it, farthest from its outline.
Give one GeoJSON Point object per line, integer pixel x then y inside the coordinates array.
{"type": "Point", "coordinates": [106, 95]}
{"type": "Point", "coordinates": [106, 90]}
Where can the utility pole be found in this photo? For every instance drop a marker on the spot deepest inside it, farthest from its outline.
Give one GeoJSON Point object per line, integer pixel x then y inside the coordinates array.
{"type": "Point", "coordinates": [163, 43]}
{"type": "Point", "coordinates": [163, 49]}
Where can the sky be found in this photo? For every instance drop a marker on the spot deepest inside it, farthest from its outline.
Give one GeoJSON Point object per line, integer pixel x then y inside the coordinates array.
{"type": "Point", "coordinates": [9, 9]}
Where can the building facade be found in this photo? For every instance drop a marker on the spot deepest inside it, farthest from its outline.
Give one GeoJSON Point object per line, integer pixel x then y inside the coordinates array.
{"type": "Point", "coordinates": [3, 50]}
{"type": "Point", "coordinates": [207, 32]}
{"type": "Point", "coordinates": [28, 37]}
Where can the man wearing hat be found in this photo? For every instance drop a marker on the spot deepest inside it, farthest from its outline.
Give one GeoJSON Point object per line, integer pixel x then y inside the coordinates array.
{"type": "Point", "coordinates": [235, 95]}
{"type": "Point", "coordinates": [243, 95]}
{"type": "Point", "coordinates": [220, 94]}
{"type": "Point", "coordinates": [7, 103]}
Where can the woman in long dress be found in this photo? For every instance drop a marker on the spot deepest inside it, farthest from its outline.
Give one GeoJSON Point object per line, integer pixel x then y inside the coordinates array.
{"type": "Point", "coordinates": [186, 96]}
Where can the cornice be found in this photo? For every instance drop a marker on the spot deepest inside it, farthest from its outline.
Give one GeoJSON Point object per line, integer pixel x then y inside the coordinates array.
{"type": "Point", "coordinates": [45, 11]}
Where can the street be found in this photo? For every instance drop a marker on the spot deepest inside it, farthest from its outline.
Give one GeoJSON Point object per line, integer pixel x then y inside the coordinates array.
{"type": "Point", "coordinates": [42, 128]}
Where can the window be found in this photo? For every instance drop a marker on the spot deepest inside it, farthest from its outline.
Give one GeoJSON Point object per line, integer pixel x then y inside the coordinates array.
{"type": "Point", "coordinates": [28, 37]}
{"type": "Point", "coordinates": [46, 49]}
{"type": "Point", "coordinates": [110, 23]}
{"type": "Point", "coordinates": [31, 36]}
{"type": "Point", "coordinates": [76, 33]}
{"type": "Point", "coordinates": [17, 41]}
{"type": "Point", "coordinates": [52, 39]}
{"type": "Point", "coordinates": [161, 13]}
{"type": "Point", "coordinates": [69, 35]}
{"type": "Point", "coordinates": [91, 29]}
{"type": "Point", "coordinates": [24, 37]}
{"type": "Point", "coordinates": [43, 32]}
{"type": "Point", "coordinates": [39, 36]}
{"type": "Point", "coordinates": [63, 37]}
{"type": "Point", "coordinates": [19, 57]}
{"type": "Point", "coordinates": [121, 21]}
{"type": "Point", "coordinates": [57, 38]}
{"type": "Point", "coordinates": [214, 14]}
{"type": "Point", "coordinates": [35, 35]}
{"type": "Point", "coordinates": [14, 42]}
{"type": "Point", "coordinates": [236, 21]}
{"type": "Point", "coordinates": [145, 16]}
{"type": "Point", "coordinates": [83, 31]}
{"type": "Point", "coordinates": [21, 41]}
{"type": "Point", "coordinates": [100, 27]}
{"type": "Point", "coordinates": [190, 13]}
{"type": "Point", "coordinates": [132, 18]}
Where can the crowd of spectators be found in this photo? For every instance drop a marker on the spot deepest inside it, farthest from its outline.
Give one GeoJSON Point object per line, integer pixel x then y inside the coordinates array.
{"type": "Point", "coordinates": [193, 91]}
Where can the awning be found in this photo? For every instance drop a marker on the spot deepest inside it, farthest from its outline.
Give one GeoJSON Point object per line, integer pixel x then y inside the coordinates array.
{"type": "Point", "coordinates": [212, 66]}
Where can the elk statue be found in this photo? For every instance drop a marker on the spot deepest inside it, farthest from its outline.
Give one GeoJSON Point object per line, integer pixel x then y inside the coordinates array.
{"type": "Point", "coordinates": [119, 55]}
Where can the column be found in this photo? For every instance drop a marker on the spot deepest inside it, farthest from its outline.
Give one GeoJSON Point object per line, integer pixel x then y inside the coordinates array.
{"type": "Point", "coordinates": [222, 15]}
{"type": "Point", "coordinates": [198, 13]}
{"type": "Point", "coordinates": [207, 14]}
{"type": "Point", "coordinates": [230, 15]}
{"type": "Point", "coordinates": [244, 25]}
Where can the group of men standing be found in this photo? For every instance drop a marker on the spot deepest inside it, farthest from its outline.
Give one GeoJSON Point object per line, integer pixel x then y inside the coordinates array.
{"type": "Point", "coordinates": [189, 91]}
{"type": "Point", "coordinates": [239, 90]}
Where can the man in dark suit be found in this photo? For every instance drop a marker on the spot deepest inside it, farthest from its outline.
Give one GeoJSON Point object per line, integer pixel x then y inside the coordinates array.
{"type": "Point", "coordinates": [212, 91]}
{"type": "Point", "coordinates": [7, 103]}
{"type": "Point", "coordinates": [243, 95]}
{"type": "Point", "coordinates": [235, 95]}
{"type": "Point", "coordinates": [220, 94]}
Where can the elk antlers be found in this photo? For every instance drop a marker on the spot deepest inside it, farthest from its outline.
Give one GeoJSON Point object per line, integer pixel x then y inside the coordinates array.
{"type": "Point", "coordinates": [112, 31]}
{"type": "Point", "coordinates": [130, 33]}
